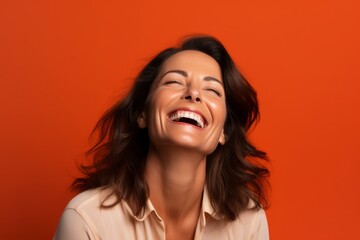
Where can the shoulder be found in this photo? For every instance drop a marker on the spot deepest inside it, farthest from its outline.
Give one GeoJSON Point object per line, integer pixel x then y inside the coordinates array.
{"type": "Point", "coordinates": [85, 215]}
{"type": "Point", "coordinates": [92, 204]}
{"type": "Point", "coordinates": [74, 223]}
{"type": "Point", "coordinates": [251, 223]}
{"type": "Point", "coordinates": [87, 199]}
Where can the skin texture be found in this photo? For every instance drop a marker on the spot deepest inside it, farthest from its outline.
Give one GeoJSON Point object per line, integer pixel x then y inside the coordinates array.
{"type": "Point", "coordinates": [176, 162]}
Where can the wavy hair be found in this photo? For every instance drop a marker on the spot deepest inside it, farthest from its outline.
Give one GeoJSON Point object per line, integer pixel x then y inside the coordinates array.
{"type": "Point", "coordinates": [236, 177]}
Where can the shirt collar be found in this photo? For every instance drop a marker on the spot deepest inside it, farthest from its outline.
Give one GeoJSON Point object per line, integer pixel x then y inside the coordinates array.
{"type": "Point", "coordinates": [206, 210]}
{"type": "Point", "coordinates": [148, 209]}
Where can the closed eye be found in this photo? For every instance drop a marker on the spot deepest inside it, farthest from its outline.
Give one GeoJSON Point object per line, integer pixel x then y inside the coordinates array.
{"type": "Point", "coordinates": [214, 91]}
{"type": "Point", "coordinates": [172, 82]}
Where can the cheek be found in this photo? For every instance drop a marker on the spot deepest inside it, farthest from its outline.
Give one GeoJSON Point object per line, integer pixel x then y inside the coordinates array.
{"type": "Point", "coordinates": [219, 110]}
{"type": "Point", "coordinates": [158, 105]}
{"type": "Point", "coordinates": [162, 97]}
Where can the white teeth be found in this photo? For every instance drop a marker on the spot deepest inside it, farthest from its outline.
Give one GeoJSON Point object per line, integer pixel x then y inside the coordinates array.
{"type": "Point", "coordinates": [191, 115]}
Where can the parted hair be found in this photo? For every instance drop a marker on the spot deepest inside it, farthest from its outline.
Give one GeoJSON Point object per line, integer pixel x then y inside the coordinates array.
{"type": "Point", "coordinates": [236, 172]}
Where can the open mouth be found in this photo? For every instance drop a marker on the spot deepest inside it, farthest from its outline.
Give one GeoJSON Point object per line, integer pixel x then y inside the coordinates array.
{"type": "Point", "coordinates": [188, 117]}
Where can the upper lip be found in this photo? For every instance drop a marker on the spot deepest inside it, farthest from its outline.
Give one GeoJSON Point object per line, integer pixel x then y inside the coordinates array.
{"type": "Point", "coordinates": [190, 110]}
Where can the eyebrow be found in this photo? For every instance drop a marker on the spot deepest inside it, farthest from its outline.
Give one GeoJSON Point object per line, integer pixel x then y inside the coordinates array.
{"type": "Point", "coordinates": [185, 74]}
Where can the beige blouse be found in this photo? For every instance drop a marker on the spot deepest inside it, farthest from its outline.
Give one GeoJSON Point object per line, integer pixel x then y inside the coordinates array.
{"type": "Point", "coordinates": [84, 219]}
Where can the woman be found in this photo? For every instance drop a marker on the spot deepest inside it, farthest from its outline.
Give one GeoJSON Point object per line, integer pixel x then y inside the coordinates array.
{"type": "Point", "coordinates": [173, 160]}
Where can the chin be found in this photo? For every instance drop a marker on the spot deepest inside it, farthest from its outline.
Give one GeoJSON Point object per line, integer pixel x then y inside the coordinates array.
{"type": "Point", "coordinates": [192, 145]}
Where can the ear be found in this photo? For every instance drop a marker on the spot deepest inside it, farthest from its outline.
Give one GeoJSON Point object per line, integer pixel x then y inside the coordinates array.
{"type": "Point", "coordinates": [142, 121]}
{"type": "Point", "coordinates": [222, 138]}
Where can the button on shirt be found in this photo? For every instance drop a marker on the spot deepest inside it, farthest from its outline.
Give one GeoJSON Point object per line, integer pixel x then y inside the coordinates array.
{"type": "Point", "coordinates": [83, 218]}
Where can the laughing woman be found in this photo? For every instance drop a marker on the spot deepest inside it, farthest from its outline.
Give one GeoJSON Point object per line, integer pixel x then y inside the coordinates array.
{"type": "Point", "coordinates": [173, 160]}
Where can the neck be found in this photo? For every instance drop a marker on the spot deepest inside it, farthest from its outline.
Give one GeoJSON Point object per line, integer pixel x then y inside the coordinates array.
{"type": "Point", "coordinates": [176, 179]}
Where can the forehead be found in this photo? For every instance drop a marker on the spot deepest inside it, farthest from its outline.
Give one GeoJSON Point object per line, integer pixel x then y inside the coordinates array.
{"type": "Point", "coordinates": [193, 62]}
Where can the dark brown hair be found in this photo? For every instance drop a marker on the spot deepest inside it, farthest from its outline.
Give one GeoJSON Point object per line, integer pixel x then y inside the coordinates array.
{"type": "Point", "coordinates": [235, 176]}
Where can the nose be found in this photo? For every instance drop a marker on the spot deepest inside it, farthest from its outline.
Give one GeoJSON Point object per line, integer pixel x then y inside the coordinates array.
{"type": "Point", "coordinates": [192, 94]}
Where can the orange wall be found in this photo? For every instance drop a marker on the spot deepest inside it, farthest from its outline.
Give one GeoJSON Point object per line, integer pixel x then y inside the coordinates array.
{"type": "Point", "coordinates": [62, 63]}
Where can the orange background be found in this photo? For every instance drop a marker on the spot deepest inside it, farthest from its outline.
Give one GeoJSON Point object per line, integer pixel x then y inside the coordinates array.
{"type": "Point", "coordinates": [62, 63]}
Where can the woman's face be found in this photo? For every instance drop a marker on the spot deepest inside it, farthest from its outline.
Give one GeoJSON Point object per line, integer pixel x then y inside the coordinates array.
{"type": "Point", "coordinates": [187, 103]}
